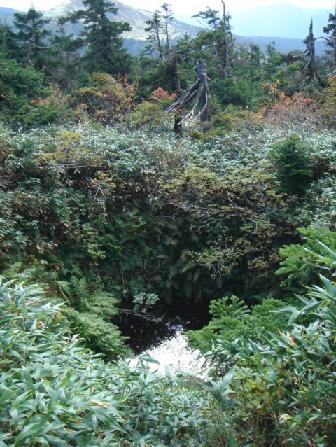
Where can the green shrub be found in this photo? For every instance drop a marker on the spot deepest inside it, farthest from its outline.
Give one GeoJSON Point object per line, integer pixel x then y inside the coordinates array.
{"type": "Point", "coordinates": [329, 100]}
{"type": "Point", "coordinates": [241, 92]}
{"type": "Point", "coordinates": [280, 389]}
{"type": "Point", "coordinates": [303, 263]}
{"type": "Point", "coordinates": [24, 97]}
{"type": "Point", "coordinates": [233, 322]}
{"type": "Point", "coordinates": [147, 113]}
{"type": "Point", "coordinates": [319, 208]}
{"type": "Point", "coordinates": [236, 118]}
{"type": "Point", "coordinates": [103, 98]}
{"type": "Point", "coordinates": [107, 195]}
{"type": "Point", "coordinates": [293, 165]}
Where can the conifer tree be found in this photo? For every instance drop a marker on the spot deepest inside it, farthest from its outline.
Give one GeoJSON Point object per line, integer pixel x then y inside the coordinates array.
{"type": "Point", "coordinates": [102, 38]}
{"type": "Point", "coordinates": [66, 55]}
{"type": "Point", "coordinates": [31, 37]}
{"type": "Point", "coordinates": [255, 61]}
{"type": "Point", "coordinates": [219, 38]}
{"type": "Point", "coordinates": [8, 44]}
{"type": "Point", "coordinates": [330, 30]}
{"type": "Point", "coordinates": [310, 69]}
{"type": "Point", "coordinates": [167, 17]}
{"type": "Point", "coordinates": [167, 68]}
{"type": "Point", "coordinates": [154, 29]}
{"type": "Point", "coordinates": [225, 41]}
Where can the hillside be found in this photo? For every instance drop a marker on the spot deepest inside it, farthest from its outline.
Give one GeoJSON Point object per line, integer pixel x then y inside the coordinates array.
{"type": "Point", "coordinates": [135, 17]}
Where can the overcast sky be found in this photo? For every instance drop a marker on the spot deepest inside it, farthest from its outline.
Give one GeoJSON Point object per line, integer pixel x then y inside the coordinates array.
{"type": "Point", "coordinates": [181, 7]}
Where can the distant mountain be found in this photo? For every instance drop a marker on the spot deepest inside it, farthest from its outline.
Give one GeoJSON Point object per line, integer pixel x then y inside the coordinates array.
{"type": "Point", "coordinates": [253, 26]}
{"type": "Point", "coordinates": [6, 15]}
{"type": "Point", "coordinates": [7, 11]}
{"type": "Point", "coordinates": [135, 40]}
{"type": "Point", "coordinates": [135, 17]}
{"type": "Point", "coordinates": [282, 44]}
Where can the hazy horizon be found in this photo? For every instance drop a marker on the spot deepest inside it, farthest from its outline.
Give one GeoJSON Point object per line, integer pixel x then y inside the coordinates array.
{"type": "Point", "coordinates": [278, 21]}
{"type": "Point", "coordinates": [180, 8]}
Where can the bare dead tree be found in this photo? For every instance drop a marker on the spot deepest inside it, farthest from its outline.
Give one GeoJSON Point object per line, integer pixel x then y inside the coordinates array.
{"type": "Point", "coordinates": [226, 41]}
{"type": "Point", "coordinates": [199, 92]}
{"type": "Point", "coordinates": [310, 71]}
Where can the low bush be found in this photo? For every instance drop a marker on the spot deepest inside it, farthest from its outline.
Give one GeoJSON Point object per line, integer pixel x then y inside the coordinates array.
{"type": "Point", "coordinates": [236, 119]}
{"type": "Point", "coordinates": [328, 103]}
{"type": "Point", "coordinates": [281, 390]}
{"type": "Point", "coordinates": [292, 110]}
{"type": "Point", "coordinates": [303, 263]}
{"type": "Point", "coordinates": [319, 208]}
{"type": "Point", "coordinates": [147, 114]}
{"type": "Point", "coordinates": [232, 321]}
{"type": "Point", "coordinates": [103, 98]}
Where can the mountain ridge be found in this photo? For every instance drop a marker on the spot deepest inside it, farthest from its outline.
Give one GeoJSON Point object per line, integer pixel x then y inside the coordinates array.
{"type": "Point", "coordinates": [135, 17]}
{"type": "Point", "coordinates": [135, 40]}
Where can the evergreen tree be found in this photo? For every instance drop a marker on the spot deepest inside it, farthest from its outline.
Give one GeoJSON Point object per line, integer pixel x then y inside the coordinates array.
{"type": "Point", "coordinates": [154, 29]}
{"type": "Point", "coordinates": [330, 30]}
{"type": "Point", "coordinates": [65, 54]}
{"type": "Point", "coordinates": [255, 57]}
{"type": "Point", "coordinates": [218, 39]}
{"type": "Point", "coordinates": [167, 17]}
{"type": "Point", "coordinates": [102, 37]}
{"type": "Point", "coordinates": [31, 37]}
{"type": "Point", "coordinates": [8, 42]}
{"type": "Point", "coordinates": [310, 69]}
{"type": "Point", "coordinates": [273, 60]}
{"type": "Point", "coordinates": [166, 70]}
{"type": "Point", "coordinates": [225, 42]}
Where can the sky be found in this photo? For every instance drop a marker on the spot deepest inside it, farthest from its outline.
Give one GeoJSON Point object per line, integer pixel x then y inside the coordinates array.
{"type": "Point", "coordinates": [180, 7]}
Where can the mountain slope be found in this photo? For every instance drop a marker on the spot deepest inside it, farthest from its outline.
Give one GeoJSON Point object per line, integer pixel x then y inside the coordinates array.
{"type": "Point", "coordinates": [135, 17]}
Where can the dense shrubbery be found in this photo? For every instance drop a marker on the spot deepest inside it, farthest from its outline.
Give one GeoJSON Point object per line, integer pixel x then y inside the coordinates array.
{"type": "Point", "coordinates": [99, 212]}
{"type": "Point", "coordinates": [274, 367]}
{"type": "Point", "coordinates": [25, 101]}
{"type": "Point", "coordinates": [108, 197]}
{"type": "Point", "coordinates": [232, 320]}
{"type": "Point", "coordinates": [55, 393]}
{"type": "Point", "coordinates": [273, 379]}
{"type": "Point", "coordinates": [236, 119]}
{"type": "Point", "coordinates": [320, 207]}
{"type": "Point", "coordinates": [148, 114]}
{"type": "Point", "coordinates": [128, 221]}
{"type": "Point", "coordinates": [329, 101]}
{"type": "Point", "coordinates": [295, 110]}
{"type": "Point", "coordinates": [302, 264]}
{"type": "Point", "coordinates": [114, 221]}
